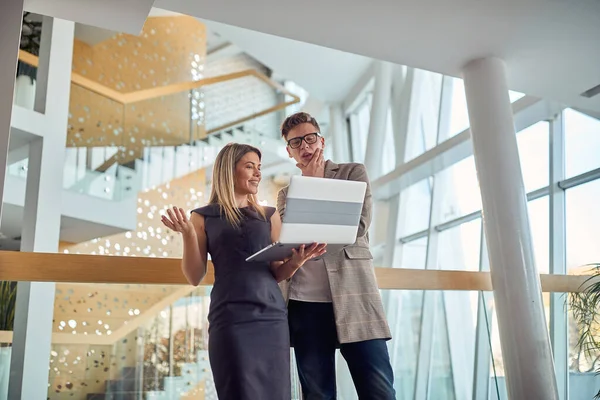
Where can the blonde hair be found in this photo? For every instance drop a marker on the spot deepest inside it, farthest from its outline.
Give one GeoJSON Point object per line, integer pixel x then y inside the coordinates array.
{"type": "Point", "coordinates": [223, 182]}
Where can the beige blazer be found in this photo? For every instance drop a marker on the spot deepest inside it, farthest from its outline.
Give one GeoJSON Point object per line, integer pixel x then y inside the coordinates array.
{"type": "Point", "coordinates": [357, 303]}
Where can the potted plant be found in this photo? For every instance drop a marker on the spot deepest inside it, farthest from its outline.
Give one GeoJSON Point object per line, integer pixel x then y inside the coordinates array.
{"type": "Point", "coordinates": [8, 296]}
{"type": "Point", "coordinates": [25, 84]}
{"type": "Point", "coordinates": [585, 327]}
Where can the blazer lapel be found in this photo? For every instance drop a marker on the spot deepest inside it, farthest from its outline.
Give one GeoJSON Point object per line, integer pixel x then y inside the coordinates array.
{"type": "Point", "coordinates": [331, 169]}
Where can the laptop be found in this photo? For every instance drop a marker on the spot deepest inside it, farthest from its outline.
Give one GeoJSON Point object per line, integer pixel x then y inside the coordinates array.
{"type": "Point", "coordinates": [318, 210]}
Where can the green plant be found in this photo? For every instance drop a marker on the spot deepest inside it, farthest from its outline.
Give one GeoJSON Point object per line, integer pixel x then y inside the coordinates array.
{"type": "Point", "coordinates": [585, 311]}
{"type": "Point", "coordinates": [8, 297]}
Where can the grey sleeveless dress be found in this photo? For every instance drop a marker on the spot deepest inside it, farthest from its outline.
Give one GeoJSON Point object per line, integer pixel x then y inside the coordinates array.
{"type": "Point", "coordinates": [248, 342]}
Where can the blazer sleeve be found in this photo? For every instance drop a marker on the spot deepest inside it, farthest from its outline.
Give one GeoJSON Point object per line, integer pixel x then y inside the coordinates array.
{"type": "Point", "coordinates": [281, 196]}
{"type": "Point", "coordinates": [359, 173]}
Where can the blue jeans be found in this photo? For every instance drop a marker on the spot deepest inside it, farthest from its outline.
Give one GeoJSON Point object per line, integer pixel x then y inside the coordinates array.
{"type": "Point", "coordinates": [314, 337]}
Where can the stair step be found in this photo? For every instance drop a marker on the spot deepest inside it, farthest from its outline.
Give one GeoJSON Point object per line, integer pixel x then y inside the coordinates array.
{"type": "Point", "coordinates": [121, 385]}
{"type": "Point", "coordinates": [129, 373]}
{"type": "Point", "coordinates": [175, 384]}
{"type": "Point", "coordinates": [156, 395]}
{"type": "Point", "coordinates": [114, 396]}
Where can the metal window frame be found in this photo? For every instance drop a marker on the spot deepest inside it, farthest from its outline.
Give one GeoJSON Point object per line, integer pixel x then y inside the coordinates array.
{"type": "Point", "coordinates": [445, 154]}
{"type": "Point", "coordinates": [559, 329]}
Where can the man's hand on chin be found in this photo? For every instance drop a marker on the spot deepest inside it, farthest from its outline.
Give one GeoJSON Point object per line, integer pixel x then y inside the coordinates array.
{"type": "Point", "coordinates": [315, 167]}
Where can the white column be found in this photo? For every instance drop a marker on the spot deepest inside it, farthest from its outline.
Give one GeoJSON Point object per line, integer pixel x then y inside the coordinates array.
{"type": "Point", "coordinates": [42, 214]}
{"type": "Point", "coordinates": [11, 19]}
{"type": "Point", "coordinates": [524, 337]}
{"type": "Point", "coordinates": [339, 134]}
{"type": "Point", "coordinates": [377, 123]}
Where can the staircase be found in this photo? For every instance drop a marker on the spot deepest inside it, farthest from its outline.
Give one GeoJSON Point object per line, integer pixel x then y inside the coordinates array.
{"type": "Point", "coordinates": [124, 388]}
{"type": "Point", "coordinates": [195, 382]}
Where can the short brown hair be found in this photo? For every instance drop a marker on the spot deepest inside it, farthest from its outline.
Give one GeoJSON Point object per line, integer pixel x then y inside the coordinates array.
{"type": "Point", "coordinates": [296, 119]}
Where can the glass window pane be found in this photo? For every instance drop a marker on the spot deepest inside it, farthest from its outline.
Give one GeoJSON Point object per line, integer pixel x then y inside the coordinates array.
{"type": "Point", "coordinates": [389, 151]}
{"type": "Point", "coordinates": [403, 310]}
{"type": "Point", "coordinates": [415, 202]}
{"type": "Point", "coordinates": [583, 219]}
{"type": "Point", "coordinates": [497, 377]}
{"type": "Point", "coordinates": [534, 146]}
{"type": "Point", "coordinates": [459, 115]}
{"type": "Point", "coordinates": [412, 254]}
{"type": "Point", "coordinates": [424, 114]}
{"type": "Point", "coordinates": [463, 196]}
{"type": "Point", "coordinates": [441, 383]}
{"type": "Point", "coordinates": [415, 143]}
{"type": "Point", "coordinates": [404, 316]}
{"type": "Point", "coordinates": [582, 143]}
{"type": "Point", "coordinates": [364, 119]}
{"type": "Point", "coordinates": [539, 221]}
{"type": "Point", "coordinates": [459, 248]}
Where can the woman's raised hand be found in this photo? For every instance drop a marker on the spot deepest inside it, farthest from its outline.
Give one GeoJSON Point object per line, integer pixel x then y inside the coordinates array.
{"type": "Point", "coordinates": [304, 254]}
{"type": "Point", "coordinates": [177, 221]}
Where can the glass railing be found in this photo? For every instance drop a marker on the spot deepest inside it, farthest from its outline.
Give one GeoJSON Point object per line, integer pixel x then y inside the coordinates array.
{"type": "Point", "coordinates": [117, 342]}
{"type": "Point", "coordinates": [149, 341]}
{"type": "Point", "coordinates": [116, 183]}
{"type": "Point", "coordinates": [130, 342]}
{"type": "Point", "coordinates": [139, 342]}
{"type": "Point", "coordinates": [115, 139]}
{"type": "Point", "coordinates": [5, 356]}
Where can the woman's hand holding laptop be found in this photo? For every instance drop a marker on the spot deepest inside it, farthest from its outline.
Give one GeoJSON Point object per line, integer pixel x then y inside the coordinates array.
{"type": "Point", "coordinates": [304, 254]}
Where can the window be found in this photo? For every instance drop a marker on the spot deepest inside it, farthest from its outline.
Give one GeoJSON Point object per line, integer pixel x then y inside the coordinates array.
{"type": "Point", "coordinates": [460, 247]}
{"type": "Point", "coordinates": [404, 311]}
{"type": "Point", "coordinates": [583, 219]}
{"type": "Point", "coordinates": [534, 147]}
{"type": "Point", "coordinates": [539, 222]}
{"type": "Point", "coordinates": [463, 196]}
{"type": "Point", "coordinates": [582, 143]}
{"type": "Point", "coordinates": [415, 204]}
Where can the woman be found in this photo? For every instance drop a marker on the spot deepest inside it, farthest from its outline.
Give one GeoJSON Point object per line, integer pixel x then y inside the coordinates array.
{"type": "Point", "coordinates": [248, 347]}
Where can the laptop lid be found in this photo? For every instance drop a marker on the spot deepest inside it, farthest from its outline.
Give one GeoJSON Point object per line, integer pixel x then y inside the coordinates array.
{"type": "Point", "coordinates": [322, 210]}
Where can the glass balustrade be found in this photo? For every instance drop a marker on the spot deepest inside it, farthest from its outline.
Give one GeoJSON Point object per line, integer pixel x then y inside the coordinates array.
{"type": "Point", "coordinates": [117, 146]}
{"type": "Point", "coordinates": [134, 341]}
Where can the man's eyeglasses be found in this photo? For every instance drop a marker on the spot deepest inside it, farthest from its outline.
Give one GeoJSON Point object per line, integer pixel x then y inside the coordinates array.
{"type": "Point", "coordinates": [310, 138]}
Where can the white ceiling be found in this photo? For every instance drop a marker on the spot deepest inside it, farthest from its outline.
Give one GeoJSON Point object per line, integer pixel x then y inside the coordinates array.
{"type": "Point", "coordinates": [117, 15]}
{"type": "Point", "coordinates": [73, 230]}
{"type": "Point", "coordinates": [550, 46]}
{"type": "Point", "coordinates": [325, 73]}
{"type": "Point", "coordinates": [93, 35]}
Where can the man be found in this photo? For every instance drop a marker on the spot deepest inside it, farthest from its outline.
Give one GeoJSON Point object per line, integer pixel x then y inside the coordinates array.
{"type": "Point", "coordinates": [335, 302]}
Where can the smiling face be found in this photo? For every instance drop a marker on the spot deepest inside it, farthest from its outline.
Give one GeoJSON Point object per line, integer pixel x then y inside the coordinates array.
{"type": "Point", "coordinates": [309, 144]}
{"type": "Point", "coordinates": [247, 174]}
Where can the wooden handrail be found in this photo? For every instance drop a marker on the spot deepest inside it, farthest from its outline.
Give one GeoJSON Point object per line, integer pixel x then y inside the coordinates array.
{"type": "Point", "coordinates": [239, 121]}
{"type": "Point", "coordinates": [147, 94]}
{"type": "Point", "coordinates": [167, 90]}
{"type": "Point", "coordinates": [52, 267]}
